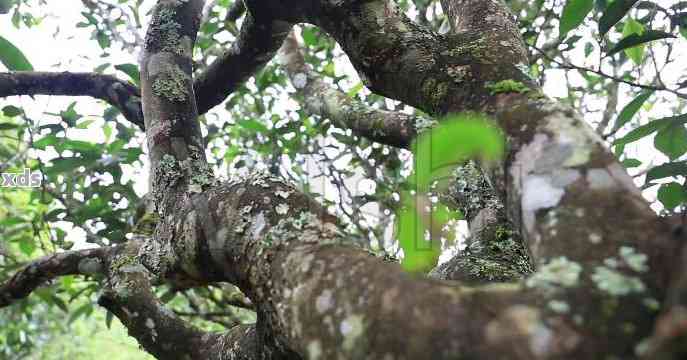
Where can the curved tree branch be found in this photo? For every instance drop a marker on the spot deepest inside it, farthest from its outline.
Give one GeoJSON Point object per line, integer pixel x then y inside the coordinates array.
{"type": "Point", "coordinates": [386, 127]}
{"type": "Point", "coordinates": [40, 271]}
{"type": "Point", "coordinates": [121, 94]}
{"type": "Point", "coordinates": [257, 43]}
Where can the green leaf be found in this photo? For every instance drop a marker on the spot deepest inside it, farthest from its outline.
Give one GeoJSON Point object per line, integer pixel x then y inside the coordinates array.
{"type": "Point", "coordinates": [27, 246]}
{"type": "Point", "coordinates": [573, 15]}
{"type": "Point", "coordinates": [613, 13]}
{"type": "Point", "coordinates": [42, 143]}
{"type": "Point", "coordinates": [456, 139]}
{"type": "Point", "coordinates": [631, 109]}
{"type": "Point", "coordinates": [12, 57]}
{"type": "Point", "coordinates": [132, 71]}
{"type": "Point", "coordinates": [83, 310]}
{"type": "Point", "coordinates": [672, 195]}
{"type": "Point", "coordinates": [650, 128]}
{"type": "Point", "coordinates": [309, 37]}
{"type": "Point", "coordinates": [672, 140]}
{"type": "Point", "coordinates": [678, 168]}
{"type": "Point", "coordinates": [84, 124]}
{"type": "Point", "coordinates": [635, 39]}
{"type": "Point", "coordinates": [636, 53]}
{"type": "Point", "coordinates": [252, 124]}
{"type": "Point", "coordinates": [631, 163]}
{"type": "Point", "coordinates": [12, 111]}
{"type": "Point", "coordinates": [108, 319]}
{"type": "Point", "coordinates": [355, 90]}
{"type": "Point", "coordinates": [8, 126]}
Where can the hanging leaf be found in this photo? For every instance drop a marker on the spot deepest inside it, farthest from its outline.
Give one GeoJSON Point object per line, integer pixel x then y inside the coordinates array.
{"type": "Point", "coordinates": [12, 57]}
{"type": "Point", "coordinates": [650, 128]}
{"type": "Point", "coordinates": [11, 111]}
{"type": "Point", "coordinates": [573, 15]}
{"type": "Point", "coordinates": [635, 53]}
{"type": "Point", "coordinates": [672, 140]}
{"type": "Point", "coordinates": [631, 109]}
{"type": "Point", "coordinates": [132, 71]}
{"type": "Point", "coordinates": [634, 40]}
{"type": "Point", "coordinates": [631, 163]}
{"type": "Point", "coordinates": [613, 13]}
{"type": "Point", "coordinates": [672, 195]}
{"type": "Point", "coordinates": [678, 168]}
{"type": "Point", "coordinates": [109, 316]}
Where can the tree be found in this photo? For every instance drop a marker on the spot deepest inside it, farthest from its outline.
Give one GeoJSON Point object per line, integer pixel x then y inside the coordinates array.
{"type": "Point", "coordinates": [609, 272]}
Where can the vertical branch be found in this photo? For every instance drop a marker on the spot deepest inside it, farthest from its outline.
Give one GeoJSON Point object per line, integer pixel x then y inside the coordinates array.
{"type": "Point", "coordinates": [169, 105]}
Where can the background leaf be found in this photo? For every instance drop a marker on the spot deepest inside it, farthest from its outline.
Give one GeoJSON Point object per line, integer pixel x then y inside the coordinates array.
{"type": "Point", "coordinates": [631, 109]}
{"type": "Point", "coordinates": [12, 57]}
{"type": "Point", "coordinates": [635, 39]}
{"type": "Point", "coordinates": [613, 13]}
{"type": "Point", "coordinates": [573, 15]}
{"type": "Point", "coordinates": [672, 140]}
{"type": "Point", "coordinates": [672, 195]}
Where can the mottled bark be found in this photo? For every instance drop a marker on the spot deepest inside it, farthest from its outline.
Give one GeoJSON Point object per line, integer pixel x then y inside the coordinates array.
{"type": "Point", "coordinates": [40, 271]}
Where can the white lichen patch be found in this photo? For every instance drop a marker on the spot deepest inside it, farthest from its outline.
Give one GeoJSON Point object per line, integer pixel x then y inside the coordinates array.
{"type": "Point", "coordinates": [282, 209]}
{"type": "Point", "coordinates": [520, 321]}
{"type": "Point", "coordinates": [150, 324]}
{"type": "Point", "coordinates": [572, 131]}
{"type": "Point", "coordinates": [282, 194]}
{"type": "Point", "coordinates": [559, 306]}
{"type": "Point", "coordinates": [352, 328]}
{"type": "Point", "coordinates": [324, 302]}
{"type": "Point", "coordinates": [633, 259]}
{"type": "Point", "coordinates": [314, 350]}
{"type": "Point", "coordinates": [299, 80]}
{"type": "Point", "coordinates": [616, 283]}
{"type": "Point", "coordinates": [558, 272]}
{"type": "Point", "coordinates": [595, 238]}
{"type": "Point", "coordinates": [600, 179]}
{"type": "Point", "coordinates": [258, 225]}
{"type": "Point", "coordinates": [540, 193]}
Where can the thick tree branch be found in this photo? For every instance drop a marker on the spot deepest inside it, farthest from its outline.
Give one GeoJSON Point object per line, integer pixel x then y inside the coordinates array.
{"type": "Point", "coordinates": [319, 98]}
{"type": "Point", "coordinates": [40, 271]}
{"type": "Point", "coordinates": [161, 333]}
{"type": "Point", "coordinates": [124, 96]}
{"type": "Point", "coordinates": [257, 43]}
{"type": "Point", "coordinates": [169, 105]}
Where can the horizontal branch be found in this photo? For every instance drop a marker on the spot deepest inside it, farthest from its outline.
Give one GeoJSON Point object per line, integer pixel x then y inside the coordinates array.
{"type": "Point", "coordinates": [121, 94]}
{"type": "Point", "coordinates": [319, 98]}
{"type": "Point", "coordinates": [40, 271]}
